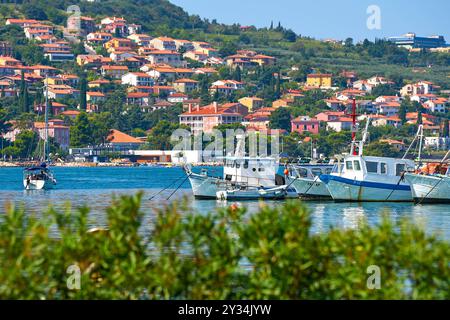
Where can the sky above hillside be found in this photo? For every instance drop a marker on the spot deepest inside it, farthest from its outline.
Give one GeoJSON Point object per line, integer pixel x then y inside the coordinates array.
{"type": "Point", "coordinates": [332, 19]}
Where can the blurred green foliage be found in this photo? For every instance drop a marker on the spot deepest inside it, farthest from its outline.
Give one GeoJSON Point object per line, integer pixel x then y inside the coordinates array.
{"type": "Point", "coordinates": [228, 254]}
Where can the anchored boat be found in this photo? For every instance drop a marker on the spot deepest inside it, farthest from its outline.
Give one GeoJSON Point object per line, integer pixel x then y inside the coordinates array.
{"type": "Point", "coordinates": [307, 180]}
{"type": "Point", "coordinates": [40, 177]}
{"type": "Point", "coordinates": [37, 178]}
{"type": "Point", "coordinates": [239, 173]}
{"type": "Point", "coordinates": [431, 183]}
{"type": "Point", "coordinates": [368, 178]}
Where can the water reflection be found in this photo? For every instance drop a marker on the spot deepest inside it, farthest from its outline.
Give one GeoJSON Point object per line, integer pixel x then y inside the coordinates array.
{"type": "Point", "coordinates": [353, 217]}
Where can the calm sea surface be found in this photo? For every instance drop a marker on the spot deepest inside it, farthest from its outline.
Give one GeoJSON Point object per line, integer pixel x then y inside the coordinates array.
{"type": "Point", "coordinates": [95, 186]}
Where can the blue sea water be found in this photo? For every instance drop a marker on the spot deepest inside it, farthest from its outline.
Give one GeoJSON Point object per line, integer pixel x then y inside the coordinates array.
{"type": "Point", "coordinates": [95, 186]}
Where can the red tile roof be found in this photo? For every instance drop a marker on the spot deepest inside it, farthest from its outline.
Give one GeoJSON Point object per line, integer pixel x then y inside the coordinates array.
{"type": "Point", "coordinates": [116, 136]}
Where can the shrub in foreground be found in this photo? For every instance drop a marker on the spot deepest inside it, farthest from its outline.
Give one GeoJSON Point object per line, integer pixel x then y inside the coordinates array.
{"type": "Point", "coordinates": [227, 254]}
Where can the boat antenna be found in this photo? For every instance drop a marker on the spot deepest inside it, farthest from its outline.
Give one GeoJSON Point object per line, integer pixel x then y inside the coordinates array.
{"type": "Point", "coordinates": [364, 137]}
{"type": "Point", "coordinates": [354, 129]}
{"type": "Point", "coordinates": [46, 120]}
{"type": "Point", "coordinates": [420, 131]}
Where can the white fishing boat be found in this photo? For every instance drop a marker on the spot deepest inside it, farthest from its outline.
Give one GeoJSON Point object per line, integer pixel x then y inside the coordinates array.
{"type": "Point", "coordinates": [239, 172]}
{"type": "Point", "coordinates": [431, 183]}
{"type": "Point", "coordinates": [366, 178]}
{"type": "Point", "coordinates": [369, 178]}
{"type": "Point", "coordinates": [307, 180]}
{"type": "Point", "coordinates": [40, 177]}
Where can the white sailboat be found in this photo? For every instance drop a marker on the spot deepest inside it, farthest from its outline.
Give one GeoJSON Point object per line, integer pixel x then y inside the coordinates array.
{"type": "Point", "coordinates": [368, 178]}
{"type": "Point", "coordinates": [40, 177]}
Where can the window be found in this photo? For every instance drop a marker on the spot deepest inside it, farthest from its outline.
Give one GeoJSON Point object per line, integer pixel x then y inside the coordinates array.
{"type": "Point", "coordinates": [246, 164]}
{"type": "Point", "coordinates": [348, 165]}
{"type": "Point", "coordinates": [302, 172]}
{"type": "Point", "coordinates": [399, 168]}
{"type": "Point", "coordinates": [383, 168]}
{"type": "Point", "coordinates": [316, 172]}
{"type": "Point", "coordinates": [328, 170]}
{"type": "Point", "coordinates": [372, 166]}
{"type": "Point", "coordinates": [356, 165]}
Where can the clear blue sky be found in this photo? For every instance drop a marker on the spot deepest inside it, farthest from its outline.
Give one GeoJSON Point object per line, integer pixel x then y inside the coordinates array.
{"type": "Point", "coordinates": [336, 19]}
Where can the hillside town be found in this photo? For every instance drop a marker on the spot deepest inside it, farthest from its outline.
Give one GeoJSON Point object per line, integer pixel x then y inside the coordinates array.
{"type": "Point", "coordinates": [199, 86]}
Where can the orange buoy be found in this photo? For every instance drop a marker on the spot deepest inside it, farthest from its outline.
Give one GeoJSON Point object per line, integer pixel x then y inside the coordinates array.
{"type": "Point", "coordinates": [286, 172]}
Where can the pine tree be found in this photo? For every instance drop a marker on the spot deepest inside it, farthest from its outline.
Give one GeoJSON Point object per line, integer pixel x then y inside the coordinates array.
{"type": "Point", "coordinates": [271, 25]}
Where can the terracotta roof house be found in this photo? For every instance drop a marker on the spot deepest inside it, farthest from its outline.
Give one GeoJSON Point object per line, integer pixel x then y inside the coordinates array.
{"type": "Point", "coordinates": [120, 141]}
{"type": "Point", "coordinates": [205, 119]}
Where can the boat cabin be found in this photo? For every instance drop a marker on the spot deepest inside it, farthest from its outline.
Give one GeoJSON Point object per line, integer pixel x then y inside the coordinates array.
{"type": "Point", "coordinates": [250, 171]}
{"type": "Point", "coordinates": [310, 171]}
{"type": "Point", "coordinates": [357, 167]}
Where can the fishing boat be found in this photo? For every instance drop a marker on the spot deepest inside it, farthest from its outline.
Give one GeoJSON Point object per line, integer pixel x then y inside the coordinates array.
{"type": "Point", "coordinates": [239, 172]}
{"type": "Point", "coordinates": [368, 178]}
{"type": "Point", "coordinates": [306, 180]}
{"type": "Point", "coordinates": [431, 183]}
{"type": "Point", "coordinates": [40, 177]}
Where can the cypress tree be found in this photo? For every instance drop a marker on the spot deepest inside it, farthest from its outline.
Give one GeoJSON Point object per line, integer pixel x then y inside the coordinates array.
{"type": "Point", "coordinates": [83, 85]}
{"type": "Point", "coordinates": [402, 112]}
{"type": "Point", "coordinates": [445, 131]}
{"type": "Point", "coordinates": [419, 116]}
{"type": "Point", "coordinates": [237, 74]}
{"type": "Point", "coordinates": [23, 94]}
{"type": "Point", "coordinates": [26, 99]}
{"type": "Point", "coordinates": [278, 85]}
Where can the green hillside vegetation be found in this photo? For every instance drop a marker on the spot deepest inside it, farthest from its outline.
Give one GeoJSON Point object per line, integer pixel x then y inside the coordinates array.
{"type": "Point", "coordinates": [160, 17]}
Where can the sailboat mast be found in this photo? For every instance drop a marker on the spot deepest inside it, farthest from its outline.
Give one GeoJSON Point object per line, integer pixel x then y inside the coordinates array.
{"type": "Point", "coordinates": [46, 121]}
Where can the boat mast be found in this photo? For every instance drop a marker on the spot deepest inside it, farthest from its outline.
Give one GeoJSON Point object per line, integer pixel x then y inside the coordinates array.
{"type": "Point", "coordinates": [46, 120]}
{"type": "Point", "coordinates": [353, 149]}
{"type": "Point", "coordinates": [364, 137]}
